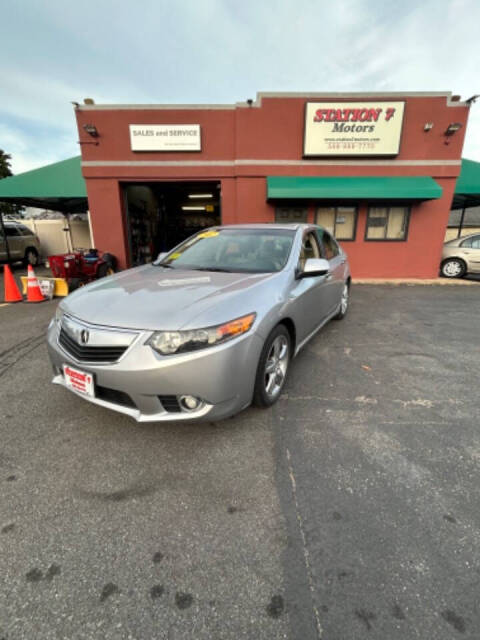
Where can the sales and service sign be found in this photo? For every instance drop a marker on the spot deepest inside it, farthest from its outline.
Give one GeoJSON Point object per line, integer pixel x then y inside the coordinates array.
{"type": "Point", "coordinates": [165, 137]}
{"type": "Point", "coordinates": [353, 128]}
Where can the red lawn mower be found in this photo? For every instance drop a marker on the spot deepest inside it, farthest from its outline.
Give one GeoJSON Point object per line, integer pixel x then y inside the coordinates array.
{"type": "Point", "coordinates": [79, 268]}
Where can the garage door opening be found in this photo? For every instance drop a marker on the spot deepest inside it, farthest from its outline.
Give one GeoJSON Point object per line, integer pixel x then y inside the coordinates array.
{"type": "Point", "coordinates": [162, 214]}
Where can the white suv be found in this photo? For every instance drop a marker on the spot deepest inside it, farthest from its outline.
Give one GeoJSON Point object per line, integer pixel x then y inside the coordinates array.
{"type": "Point", "coordinates": [23, 244]}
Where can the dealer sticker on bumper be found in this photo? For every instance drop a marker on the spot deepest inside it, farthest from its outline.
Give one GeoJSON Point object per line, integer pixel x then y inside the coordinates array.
{"type": "Point", "coordinates": [78, 380]}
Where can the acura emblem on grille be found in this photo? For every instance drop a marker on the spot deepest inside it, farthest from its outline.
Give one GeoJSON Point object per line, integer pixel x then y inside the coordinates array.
{"type": "Point", "coordinates": [84, 336]}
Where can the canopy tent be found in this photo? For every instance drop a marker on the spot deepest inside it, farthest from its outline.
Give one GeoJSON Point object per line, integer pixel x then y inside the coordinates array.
{"type": "Point", "coordinates": [467, 190]}
{"type": "Point", "coordinates": [59, 186]}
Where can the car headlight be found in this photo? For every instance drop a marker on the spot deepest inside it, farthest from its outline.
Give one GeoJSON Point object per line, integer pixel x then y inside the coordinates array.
{"type": "Point", "coordinates": [169, 342]}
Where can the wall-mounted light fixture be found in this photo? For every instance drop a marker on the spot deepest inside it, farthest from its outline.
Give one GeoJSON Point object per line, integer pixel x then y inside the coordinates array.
{"type": "Point", "coordinates": [452, 128]}
{"type": "Point", "coordinates": [91, 129]}
{"type": "Point", "coordinates": [193, 208]}
{"type": "Point", "coordinates": [428, 126]}
{"type": "Point", "coordinates": [200, 196]}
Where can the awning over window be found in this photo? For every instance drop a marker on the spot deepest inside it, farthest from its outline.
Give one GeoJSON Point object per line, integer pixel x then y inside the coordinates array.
{"type": "Point", "coordinates": [467, 189]}
{"type": "Point", "coordinates": [59, 186]}
{"type": "Point", "coordinates": [352, 188]}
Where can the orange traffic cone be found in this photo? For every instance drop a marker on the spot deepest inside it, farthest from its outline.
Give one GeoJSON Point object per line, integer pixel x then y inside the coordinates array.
{"type": "Point", "coordinates": [34, 293]}
{"type": "Point", "coordinates": [12, 292]}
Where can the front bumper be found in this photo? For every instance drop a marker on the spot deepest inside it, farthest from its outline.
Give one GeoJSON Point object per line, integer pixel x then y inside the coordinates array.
{"type": "Point", "coordinates": [223, 377]}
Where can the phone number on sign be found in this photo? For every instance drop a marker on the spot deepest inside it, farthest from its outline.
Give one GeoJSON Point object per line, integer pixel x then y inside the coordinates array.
{"type": "Point", "coordinates": [359, 146]}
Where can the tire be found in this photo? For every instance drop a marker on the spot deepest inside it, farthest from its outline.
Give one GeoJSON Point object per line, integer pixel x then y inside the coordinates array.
{"type": "Point", "coordinates": [111, 260]}
{"type": "Point", "coordinates": [344, 303]}
{"type": "Point", "coordinates": [453, 268]}
{"type": "Point", "coordinates": [276, 354]}
{"type": "Point", "coordinates": [102, 270]}
{"type": "Point", "coordinates": [31, 257]}
{"type": "Point", "coordinates": [74, 283]}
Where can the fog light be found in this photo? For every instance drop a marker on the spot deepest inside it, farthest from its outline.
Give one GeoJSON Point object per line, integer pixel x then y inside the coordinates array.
{"type": "Point", "coordinates": [189, 403]}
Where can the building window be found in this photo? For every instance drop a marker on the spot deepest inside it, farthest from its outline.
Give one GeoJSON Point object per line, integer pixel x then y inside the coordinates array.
{"type": "Point", "coordinates": [341, 222]}
{"type": "Point", "coordinates": [291, 214]}
{"type": "Point", "coordinates": [387, 223]}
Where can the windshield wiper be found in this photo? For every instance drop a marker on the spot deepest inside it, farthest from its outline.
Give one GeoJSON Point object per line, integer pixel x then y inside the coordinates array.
{"type": "Point", "coordinates": [163, 264]}
{"type": "Point", "coordinates": [219, 269]}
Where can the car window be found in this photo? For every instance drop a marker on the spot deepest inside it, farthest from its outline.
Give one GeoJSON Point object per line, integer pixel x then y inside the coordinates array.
{"type": "Point", "coordinates": [475, 242]}
{"type": "Point", "coordinates": [310, 249]}
{"type": "Point", "coordinates": [12, 231]}
{"type": "Point", "coordinates": [24, 231]}
{"type": "Point", "coordinates": [330, 247]}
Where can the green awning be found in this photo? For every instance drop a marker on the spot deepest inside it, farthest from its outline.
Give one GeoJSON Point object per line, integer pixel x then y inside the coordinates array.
{"type": "Point", "coordinates": [59, 186]}
{"type": "Point", "coordinates": [467, 189]}
{"type": "Point", "coordinates": [352, 188]}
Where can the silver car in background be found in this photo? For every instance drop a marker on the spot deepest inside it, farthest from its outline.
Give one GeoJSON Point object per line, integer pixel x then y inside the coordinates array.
{"type": "Point", "coordinates": [461, 256]}
{"type": "Point", "coordinates": [207, 329]}
{"type": "Point", "coordinates": [23, 244]}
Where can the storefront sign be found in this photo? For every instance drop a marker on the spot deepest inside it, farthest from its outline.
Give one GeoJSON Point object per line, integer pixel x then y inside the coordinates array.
{"type": "Point", "coordinates": [353, 128]}
{"type": "Point", "coordinates": [165, 137]}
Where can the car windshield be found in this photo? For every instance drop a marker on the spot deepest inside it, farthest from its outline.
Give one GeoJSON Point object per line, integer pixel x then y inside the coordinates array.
{"type": "Point", "coordinates": [233, 250]}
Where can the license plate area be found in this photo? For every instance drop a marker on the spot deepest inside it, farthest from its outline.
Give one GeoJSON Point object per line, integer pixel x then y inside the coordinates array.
{"type": "Point", "coordinates": [79, 381]}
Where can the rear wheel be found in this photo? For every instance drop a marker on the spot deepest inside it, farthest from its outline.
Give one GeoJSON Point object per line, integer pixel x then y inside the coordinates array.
{"type": "Point", "coordinates": [31, 257]}
{"type": "Point", "coordinates": [272, 367]}
{"type": "Point", "coordinates": [453, 268]}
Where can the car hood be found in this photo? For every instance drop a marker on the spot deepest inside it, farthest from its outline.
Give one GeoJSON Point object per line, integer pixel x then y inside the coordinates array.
{"type": "Point", "coordinates": [155, 298]}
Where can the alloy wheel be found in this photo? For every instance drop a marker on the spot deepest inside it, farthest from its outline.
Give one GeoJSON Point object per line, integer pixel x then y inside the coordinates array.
{"type": "Point", "coordinates": [276, 366]}
{"type": "Point", "coordinates": [452, 269]}
{"type": "Point", "coordinates": [344, 300]}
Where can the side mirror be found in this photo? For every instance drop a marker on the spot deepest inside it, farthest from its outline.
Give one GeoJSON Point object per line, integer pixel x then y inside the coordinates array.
{"type": "Point", "coordinates": [314, 267]}
{"type": "Point", "coordinates": [161, 256]}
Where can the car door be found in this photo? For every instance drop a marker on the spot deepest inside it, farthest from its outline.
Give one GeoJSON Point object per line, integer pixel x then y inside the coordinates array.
{"type": "Point", "coordinates": [471, 252]}
{"type": "Point", "coordinates": [15, 241]}
{"type": "Point", "coordinates": [336, 276]}
{"type": "Point", "coordinates": [3, 246]}
{"type": "Point", "coordinates": [308, 295]}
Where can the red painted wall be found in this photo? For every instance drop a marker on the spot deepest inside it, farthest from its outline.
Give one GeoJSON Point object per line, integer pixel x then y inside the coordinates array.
{"type": "Point", "coordinates": [242, 145]}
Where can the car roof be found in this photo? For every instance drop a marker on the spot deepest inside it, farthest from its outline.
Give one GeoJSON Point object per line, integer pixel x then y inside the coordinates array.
{"type": "Point", "coordinates": [456, 241]}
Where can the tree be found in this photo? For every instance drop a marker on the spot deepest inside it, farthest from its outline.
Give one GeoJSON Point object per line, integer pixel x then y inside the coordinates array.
{"type": "Point", "coordinates": [6, 208]}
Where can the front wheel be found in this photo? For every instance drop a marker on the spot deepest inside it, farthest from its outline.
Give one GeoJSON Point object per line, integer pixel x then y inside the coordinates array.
{"type": "Point", "coordinates": [453, 268]}
{"type": "Point", "coordinates": [272, 367]}
{"type": "Point", "coordinates": [344, 301]}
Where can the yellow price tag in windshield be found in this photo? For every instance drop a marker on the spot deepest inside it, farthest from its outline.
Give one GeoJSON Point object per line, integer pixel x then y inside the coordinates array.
{"type": "Point", "coordinates": [174, 256]}
{"type": "Point", "coordinates": [208, 234]}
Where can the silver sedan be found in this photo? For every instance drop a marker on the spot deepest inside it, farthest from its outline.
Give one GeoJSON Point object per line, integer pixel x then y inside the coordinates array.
{"type": "Point", "coordinates": [207, 329]}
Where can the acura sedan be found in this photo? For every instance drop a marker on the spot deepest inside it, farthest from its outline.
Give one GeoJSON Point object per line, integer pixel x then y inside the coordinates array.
{"type": "Point", "coordinates": [207, 329]}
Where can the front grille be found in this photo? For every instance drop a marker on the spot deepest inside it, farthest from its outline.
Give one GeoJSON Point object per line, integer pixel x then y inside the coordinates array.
{"type": "Point", "coordinates": [83, 353]}
{"type": "Point", "coordinates": [114, 396]}
{"type": "Point", "coordinates": [170, 404]}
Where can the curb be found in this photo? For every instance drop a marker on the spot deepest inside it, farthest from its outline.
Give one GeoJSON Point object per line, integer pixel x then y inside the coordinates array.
{"type": "Point", "coordinates": [416, 281]}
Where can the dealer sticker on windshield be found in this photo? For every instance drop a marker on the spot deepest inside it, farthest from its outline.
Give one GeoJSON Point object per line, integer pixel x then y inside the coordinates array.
{"type": "Point", "coordinates": [78, 380]}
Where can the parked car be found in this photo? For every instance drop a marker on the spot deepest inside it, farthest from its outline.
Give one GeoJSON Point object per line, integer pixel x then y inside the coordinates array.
{"type": "Point", "coordinates": [207, 329]}
{"type": "Point", "coordinates": [23, 244]}
{"type": "Point", "coordinates": [461, 256]}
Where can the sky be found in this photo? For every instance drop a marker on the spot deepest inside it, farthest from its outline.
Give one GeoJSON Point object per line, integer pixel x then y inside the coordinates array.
{"type": "Point", "coordinates": [54, 52]}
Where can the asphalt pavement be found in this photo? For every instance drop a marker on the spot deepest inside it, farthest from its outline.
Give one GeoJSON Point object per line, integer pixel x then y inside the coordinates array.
{"type": "Point", "coordinates": [347, 511]}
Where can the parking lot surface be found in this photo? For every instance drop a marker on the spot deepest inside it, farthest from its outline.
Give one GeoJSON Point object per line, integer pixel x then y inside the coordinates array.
{"type": "Point", "coordinates": [347, 511]}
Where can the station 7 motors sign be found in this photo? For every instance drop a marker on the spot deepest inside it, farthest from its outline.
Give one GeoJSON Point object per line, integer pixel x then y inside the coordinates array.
{"type": "Point", "coordinates": [353, 128]}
